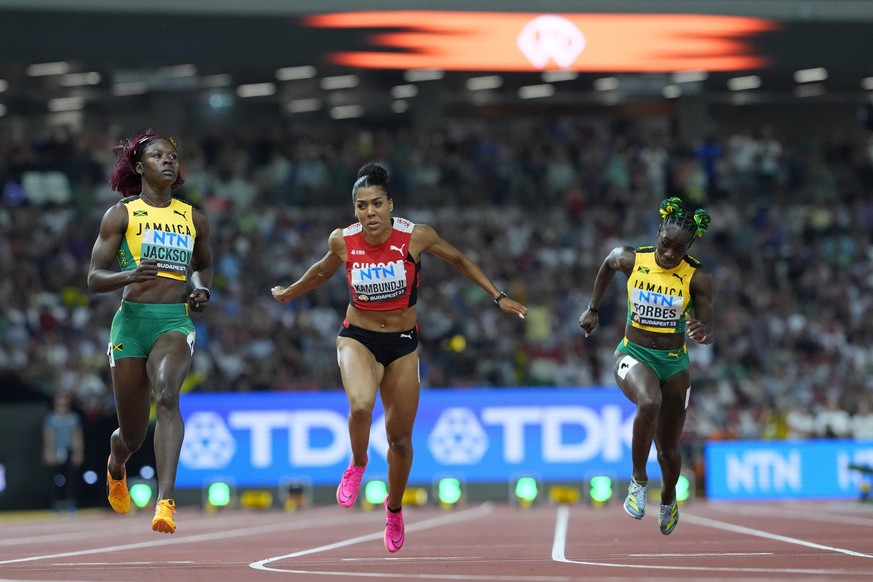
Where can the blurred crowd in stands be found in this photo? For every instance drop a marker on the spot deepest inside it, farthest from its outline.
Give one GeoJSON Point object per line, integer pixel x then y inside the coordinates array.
{"type": "Point", "coordinates": [537, 204]}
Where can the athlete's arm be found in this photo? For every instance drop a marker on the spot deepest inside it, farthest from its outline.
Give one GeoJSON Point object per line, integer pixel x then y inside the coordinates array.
{"type": "Point", "coordinates": [700, 326]}
{"type": "Point", "coordinates": [319, 273]}
{"type": "Point", "coordinates": [201, 263]}
{"type": "Point", "coordinates": [426, 239]}
{"type": "Point", "coordinates": [619, 259]}
{"type": "Point", "coordinates": [102, 278]}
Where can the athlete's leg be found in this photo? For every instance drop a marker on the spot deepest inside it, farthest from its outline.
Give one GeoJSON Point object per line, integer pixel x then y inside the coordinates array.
{"type": "Point", "coordinates": [671, 420]}
{"type": "Point", "coordinates": [640, 385]}
{"type": "Point", "coordinates": [168, 365]}
{"type": "Point", "coordinates": [361, 375]}
{"type": "Point", "coordinates": [400, 390]}
{"type": "Point", "coordinates": [132, 390]}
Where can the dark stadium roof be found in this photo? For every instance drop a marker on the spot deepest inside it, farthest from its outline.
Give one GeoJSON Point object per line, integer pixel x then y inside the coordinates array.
{"type": "Point", "coordinates": [247, 42]}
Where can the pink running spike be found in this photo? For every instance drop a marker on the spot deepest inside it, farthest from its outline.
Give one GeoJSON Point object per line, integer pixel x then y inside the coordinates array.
{"type": "Point", "coordinates": [394, 530]}
{"type": "Point", "coordinates": [347, 490]}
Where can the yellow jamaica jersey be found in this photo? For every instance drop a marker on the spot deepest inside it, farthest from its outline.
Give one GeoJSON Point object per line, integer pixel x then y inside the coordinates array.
{"type": "Point", "coordinates": [166, 234]}
{"type": "Point", "coordinates": [658, 298]}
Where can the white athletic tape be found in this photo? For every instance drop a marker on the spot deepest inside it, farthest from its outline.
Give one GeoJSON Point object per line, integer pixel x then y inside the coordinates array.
{"type": "Point", "coordinates": [624, 366]}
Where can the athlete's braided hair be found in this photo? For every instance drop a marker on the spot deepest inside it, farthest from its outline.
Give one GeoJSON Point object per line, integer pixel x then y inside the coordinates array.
{"type": "Point", "coordinates": [125, 179]}
{"type": "Point", "coordinates": [372, 174]}
{"type": "Point", "coordinates": [673, 212]}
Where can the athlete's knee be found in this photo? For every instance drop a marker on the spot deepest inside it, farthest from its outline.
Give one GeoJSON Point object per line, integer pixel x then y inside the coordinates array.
{"type": "Point", "coordinates": [648, 404]}
{"type": "Point", "coordinates": [166, 398]}
{"type": "Point", "coordinates": [670, 453]}
{"type": "Point", "coordinates": [131, 442]}
{"type": "Point", "coordinates": [400, 444]}
{"type": "Point", "coordinates": [360, 412]}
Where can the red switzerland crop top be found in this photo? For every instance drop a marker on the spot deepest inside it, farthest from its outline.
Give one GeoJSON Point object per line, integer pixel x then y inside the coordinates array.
{"type": "Point", "coordinates": [381, 277]}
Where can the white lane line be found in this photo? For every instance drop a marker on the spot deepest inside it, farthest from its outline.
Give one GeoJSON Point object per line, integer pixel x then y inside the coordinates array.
{"type": "Point", "coordinates": [113, 564]}
{"type": "Point", "coordinates": [724, 526]}
{"type": "Point", "coordinates": [415, 559]}
{"type": "Point", "coordinates": [559, 541]}
{"type": "Point", "coordinates": [115, 527]}
{"type": "Point", "coordinates": [559, 544]}
{"type": "Point", "coordinates": [70, 535]}
{"type": "Point", "coordinates": [461, 577]}
{"type": "Point", "coordinates": [702, 555]}
{"type": "Point", "coordinates": [207, 537]}
{"type": "Point", "coordinates": [785, 512]}
{"type": "Point", "coordinates": [475, 513]}
{"type": "Point", "coordinates": [465, 515]}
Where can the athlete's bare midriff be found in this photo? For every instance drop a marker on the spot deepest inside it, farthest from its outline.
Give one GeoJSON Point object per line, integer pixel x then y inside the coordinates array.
{"type": "Point", "coordinates": [656, 341]}
{"type": "Point", "coordinates": [393, 320]}
{"type": "Point", "coordinates": [158, 290]}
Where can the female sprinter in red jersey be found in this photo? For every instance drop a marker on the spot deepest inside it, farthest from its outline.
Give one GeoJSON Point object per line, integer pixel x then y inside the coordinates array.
{"type": "Point", "coordinates": [376, 347]}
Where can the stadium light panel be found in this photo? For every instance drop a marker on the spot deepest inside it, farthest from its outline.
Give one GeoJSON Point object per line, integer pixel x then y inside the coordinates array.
{"type": "Point", "coordinates": [683, 489]}
{"type": "Point", "coordinates": [449, 491]}
{"type": "Point", "coordinates": [526, 491]}
{"type": "Point", "coordinates": [141, 494]}
{"type": "Point", "coordinates": [375, 491]}
{"type": "Point", "coordinates": [218, 494]}
{"type": "Point", "coordinates": [600, 489]}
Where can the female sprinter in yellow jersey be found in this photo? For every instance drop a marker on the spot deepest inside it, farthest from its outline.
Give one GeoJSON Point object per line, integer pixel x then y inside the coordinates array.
{"type": "Point", "coordinates": [669, 297]}
{"type": "Point", "coordinates": [161, 245]}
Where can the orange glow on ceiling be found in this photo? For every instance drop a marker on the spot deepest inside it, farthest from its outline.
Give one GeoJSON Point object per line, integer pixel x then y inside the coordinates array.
{"type": "Point", "coordinates": [495, 41]}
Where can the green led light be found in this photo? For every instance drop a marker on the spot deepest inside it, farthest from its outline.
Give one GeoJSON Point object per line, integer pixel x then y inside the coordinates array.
{"type": "Point", "coordinates": [526, 489]}
{"type": "Point", "coordinates": [449, 490]}
{"type": "Point", "coordinates": [683, 488]}
{"type": "Point", "coordinates": [140, 494]}
{"type": "Point", "coordinates": [218, 494]}
{"type": "Point", "coordinates": [375, 492]}
{"type": "Point", "coordinates": [601, 488]}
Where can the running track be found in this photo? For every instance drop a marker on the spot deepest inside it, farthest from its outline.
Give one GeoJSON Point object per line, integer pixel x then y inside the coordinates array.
{"type": "Point", "coordinates": [476, 542]}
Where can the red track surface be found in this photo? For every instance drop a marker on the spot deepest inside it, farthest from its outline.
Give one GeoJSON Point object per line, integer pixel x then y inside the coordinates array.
{"type": "Point", "coordinates": [477, 542]}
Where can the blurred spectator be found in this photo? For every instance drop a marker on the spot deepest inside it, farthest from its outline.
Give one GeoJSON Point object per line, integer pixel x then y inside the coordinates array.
{"type": "Point", "coordinates": [862, 421]}
{"type": "Point", "coordinates": [63, 451]}
{"type": "Point", "coordinates": [799, 422]}
{"type": "Point", "coordinates": [791, 251]}
{"type": "Point", "coordinates": [831, 421]}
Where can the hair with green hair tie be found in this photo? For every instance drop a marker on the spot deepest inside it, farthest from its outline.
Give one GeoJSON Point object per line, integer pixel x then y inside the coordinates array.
{"type": "Point", "coordinates": [673, 212]}
{"type": "Point", "coordinates": [702, 219]}
{"type": "Point", "coordinates": [671, 206]}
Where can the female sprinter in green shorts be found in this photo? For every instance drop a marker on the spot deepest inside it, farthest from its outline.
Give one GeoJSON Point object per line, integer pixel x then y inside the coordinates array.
{"type": "Point", "coordinates": [669, 296]}
{"type": "Point", "coordinates": [162, 246]}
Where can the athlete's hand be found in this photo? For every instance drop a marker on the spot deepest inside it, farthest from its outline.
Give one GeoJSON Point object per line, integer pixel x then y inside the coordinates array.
{"type": "Point", "coordinates": [146, 270]}
{"type": "Point", "coordinates": [508, 305]}
{"type": "Point", "coordinates": [280, 293]}
{"type": "Point", "coordinates": [588, 321]}
{"type": "Point", "coordinates": [198, 299]}
{"type": "Point", "coordinates": [696, 330]}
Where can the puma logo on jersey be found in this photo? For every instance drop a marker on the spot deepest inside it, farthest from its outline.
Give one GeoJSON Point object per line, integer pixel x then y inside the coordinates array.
{"type": "Point", "coordinates": [182, 214]}
{"type": "Point", "coordinates": [680, 277]}
{"type": "Point", "coordinates": [398, 249]}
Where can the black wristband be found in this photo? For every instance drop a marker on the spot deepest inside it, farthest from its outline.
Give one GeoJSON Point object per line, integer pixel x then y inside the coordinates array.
{"type": "Point", "coordinates": [497, 299]}
{"type": "Point", "coordinates": [593, 309]}
{"type": "Point", "coordinates": [208, 292]}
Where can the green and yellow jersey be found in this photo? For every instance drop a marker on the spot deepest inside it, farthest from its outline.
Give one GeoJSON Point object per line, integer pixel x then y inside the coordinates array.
{"type": "Point", "coordinates": [658, 298]}
{"type": "Point", "coordinates": [166, 234]}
